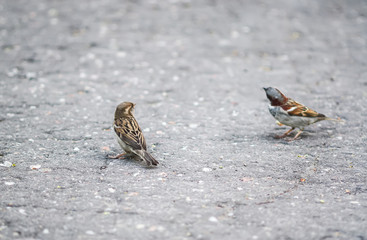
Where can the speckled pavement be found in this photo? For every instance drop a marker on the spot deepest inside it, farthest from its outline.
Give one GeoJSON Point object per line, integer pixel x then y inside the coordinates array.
{"type": "Point", "coordinates": [195, 70]}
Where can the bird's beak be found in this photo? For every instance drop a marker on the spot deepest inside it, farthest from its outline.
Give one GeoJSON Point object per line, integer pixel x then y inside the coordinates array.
{"type": "Point", "coordinates": [265, 89]}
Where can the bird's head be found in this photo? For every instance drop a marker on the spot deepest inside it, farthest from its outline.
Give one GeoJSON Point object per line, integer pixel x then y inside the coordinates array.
{"type": "Point", "coordinates": [124, 109]}
{"type": "Point", "coordinates": [275, 97]}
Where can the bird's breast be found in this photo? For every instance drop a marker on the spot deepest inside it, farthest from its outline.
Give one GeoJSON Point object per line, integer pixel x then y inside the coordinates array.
{"type": "Point", "coordinates": [273, 110]}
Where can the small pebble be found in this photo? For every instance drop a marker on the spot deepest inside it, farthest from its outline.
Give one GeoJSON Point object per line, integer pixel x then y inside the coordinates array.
{"type": "Point", "coordinates": [6, 164]}
{"type": "Point", "coordinates": [35, 167]}
{"type": "Point", "coordinates": [22, 211]}
{"type": "Point", "coordinates": [140, 226]}
{"type": "Point", "coordinates": [90, 232]}
{"type": "Point", "coordinates": [246, 29]}
{"type": "Point", "coordinates": [121, 54]}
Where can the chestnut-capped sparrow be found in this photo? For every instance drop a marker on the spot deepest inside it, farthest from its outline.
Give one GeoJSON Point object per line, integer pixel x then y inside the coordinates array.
{"type": "Point", "coordinates": [291, 113]}
{"type": "Point", "coordinates": [129, 134]}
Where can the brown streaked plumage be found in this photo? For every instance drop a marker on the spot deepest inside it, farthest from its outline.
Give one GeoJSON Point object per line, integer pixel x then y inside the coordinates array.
{"type": "Point", "coordinates": [291, 113]}
{"type": "Point", "coordinates": [130, 136]}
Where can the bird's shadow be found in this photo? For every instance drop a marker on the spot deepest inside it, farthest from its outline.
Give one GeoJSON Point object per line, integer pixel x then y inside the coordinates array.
{"type": "Point", "coordinates": [126, 160]}
{"type": "Point", "coordinates": [306, 134]}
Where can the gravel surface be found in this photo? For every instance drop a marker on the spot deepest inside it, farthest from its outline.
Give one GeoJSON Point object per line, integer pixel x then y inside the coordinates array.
{"type": "Point", "coordinates": [196, 70]}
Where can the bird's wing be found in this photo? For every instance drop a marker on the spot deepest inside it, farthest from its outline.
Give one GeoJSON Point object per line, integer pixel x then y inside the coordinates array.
{"type": "Point", "coordinates": [129, 131]}
{"type": "Point", "coordinates": [294, 108]}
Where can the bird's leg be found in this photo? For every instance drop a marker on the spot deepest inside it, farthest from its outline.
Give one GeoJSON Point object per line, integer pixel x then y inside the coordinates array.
{"type": "Point", "coordinates": [285, 134]}
{"type": "Point", "coordinates": [120, 156]}
{"type": "Point", "coordinates": [297, 135]}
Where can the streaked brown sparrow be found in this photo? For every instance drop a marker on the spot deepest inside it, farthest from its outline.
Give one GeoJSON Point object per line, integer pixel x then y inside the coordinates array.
{"type": "Point", "coordinates": [129, 134]}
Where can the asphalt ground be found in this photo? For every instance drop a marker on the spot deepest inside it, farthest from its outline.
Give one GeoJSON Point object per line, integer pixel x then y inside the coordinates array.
{"type": "Point", "coordinates": [195, 70]}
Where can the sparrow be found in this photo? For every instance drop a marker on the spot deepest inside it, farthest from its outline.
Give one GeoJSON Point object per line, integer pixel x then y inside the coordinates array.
{"type": "Point", "coordinates": [291, 113]}
{"type": "Point", "coordinates": [129, 134]}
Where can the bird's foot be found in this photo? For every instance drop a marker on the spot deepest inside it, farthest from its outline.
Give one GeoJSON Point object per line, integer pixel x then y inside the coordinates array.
{"type": "Point", "coordinates": [295, 137]}
{"type": "Point", "coordinates": [119, 156]}
{"type": "Point", "coordinates": [285, 134]}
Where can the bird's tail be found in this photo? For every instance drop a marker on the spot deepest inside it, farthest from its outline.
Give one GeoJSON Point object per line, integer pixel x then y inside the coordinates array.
{"type": "Point", "coordinates": [149, 159]}
{"type": "Point", "coordinates": [333, 119]}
